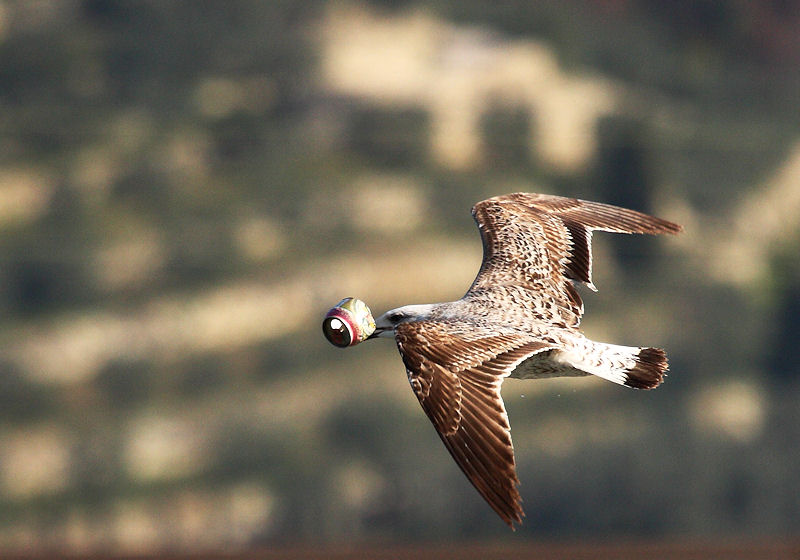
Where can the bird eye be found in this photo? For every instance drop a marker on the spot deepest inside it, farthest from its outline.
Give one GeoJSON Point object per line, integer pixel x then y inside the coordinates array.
{"type": "Point", "coordinates": [395, 317]}
{"type": "Point", "coordinates": [337, 331]}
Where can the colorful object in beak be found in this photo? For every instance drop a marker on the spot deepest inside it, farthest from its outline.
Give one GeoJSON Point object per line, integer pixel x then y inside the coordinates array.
{"type": "Point", "coordinates": [348, 323]}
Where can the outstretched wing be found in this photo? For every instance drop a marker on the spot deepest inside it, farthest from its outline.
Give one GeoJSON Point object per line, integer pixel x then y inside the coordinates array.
{"type": "Point", "coordinates": [542, 243]}
{"type": "Point", "coordinates": [456, 372]}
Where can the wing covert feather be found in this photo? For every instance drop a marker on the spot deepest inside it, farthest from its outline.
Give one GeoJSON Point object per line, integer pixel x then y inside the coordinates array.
{"type": "Point", "coordinates": [457, 382]}
{"type": "Point", "coordinates": [543, 243]}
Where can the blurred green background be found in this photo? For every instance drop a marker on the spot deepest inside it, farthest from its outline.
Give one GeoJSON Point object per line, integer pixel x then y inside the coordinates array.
{"type": "Point", "coordinates": [186, 187]}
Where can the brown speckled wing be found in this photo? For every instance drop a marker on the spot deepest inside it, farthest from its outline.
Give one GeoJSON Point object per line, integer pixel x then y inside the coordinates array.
{"type": "Point", "coordinates": [456, 372]}
{"type": "Point", "coordinates": [542, 242]}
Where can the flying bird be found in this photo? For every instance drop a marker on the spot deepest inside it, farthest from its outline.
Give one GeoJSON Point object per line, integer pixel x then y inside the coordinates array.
{"type": "Point", "coordinates": [519, 319]}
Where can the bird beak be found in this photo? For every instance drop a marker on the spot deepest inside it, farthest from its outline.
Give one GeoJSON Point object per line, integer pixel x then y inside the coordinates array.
{"type": "Point", "coordinates": [376, 333]}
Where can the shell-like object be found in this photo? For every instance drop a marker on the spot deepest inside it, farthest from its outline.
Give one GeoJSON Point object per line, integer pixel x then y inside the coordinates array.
{"type": "Point", "coordinates": [347, 323]}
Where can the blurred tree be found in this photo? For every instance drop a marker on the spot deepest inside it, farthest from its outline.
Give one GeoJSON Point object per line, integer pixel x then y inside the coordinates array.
{"type": "Point", "coordinates": [389, 137]}
{"type": "Point", "coordinates": [506, 134]}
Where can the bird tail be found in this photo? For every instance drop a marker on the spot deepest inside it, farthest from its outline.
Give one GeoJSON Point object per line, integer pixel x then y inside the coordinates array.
{"type": "Point", "coordinates": [640, 368]}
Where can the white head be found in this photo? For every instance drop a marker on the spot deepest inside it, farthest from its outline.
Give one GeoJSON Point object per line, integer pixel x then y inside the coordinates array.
{"type": "Point", "coordinates": [386, 323]}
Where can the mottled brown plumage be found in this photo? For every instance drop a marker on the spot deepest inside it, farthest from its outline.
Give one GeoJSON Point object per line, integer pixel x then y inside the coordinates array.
{"type": "Point", "coordinates": [519, 318]}
{"type": "Point", "coordinates": [457, 382]}
{"type": "Point", "coordinates": [542, 243]}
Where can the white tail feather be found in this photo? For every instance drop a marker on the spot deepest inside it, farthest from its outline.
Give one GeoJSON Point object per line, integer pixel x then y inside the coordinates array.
{"type": "Point", "coordinates": [642, 368]}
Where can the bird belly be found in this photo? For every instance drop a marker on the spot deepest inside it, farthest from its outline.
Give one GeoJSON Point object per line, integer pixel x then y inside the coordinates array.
{"type": "Point", "coordinates": [542, 365]}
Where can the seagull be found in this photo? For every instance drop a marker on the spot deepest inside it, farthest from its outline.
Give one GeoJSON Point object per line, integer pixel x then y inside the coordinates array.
{"type": "Point", "coordinates": [519, 319]}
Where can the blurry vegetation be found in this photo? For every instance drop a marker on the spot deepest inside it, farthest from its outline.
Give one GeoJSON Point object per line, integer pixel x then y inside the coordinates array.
{"type": "Point", "coordinates": [182, 194]}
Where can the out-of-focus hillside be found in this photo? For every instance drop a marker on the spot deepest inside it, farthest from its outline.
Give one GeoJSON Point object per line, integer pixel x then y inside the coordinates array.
{"type": "Point", "coordinates": [186, 187]}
